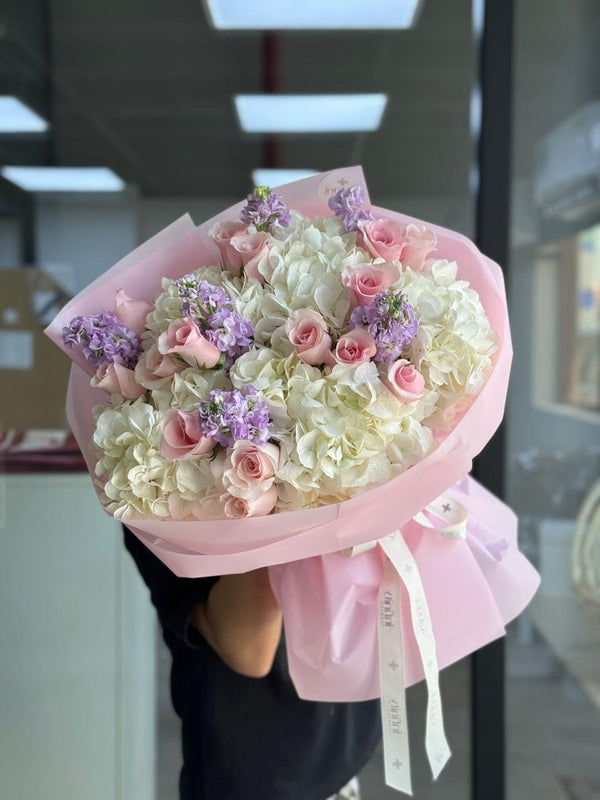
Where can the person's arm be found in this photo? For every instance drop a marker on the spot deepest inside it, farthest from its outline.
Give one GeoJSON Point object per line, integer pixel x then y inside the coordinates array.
{"type": "Point", "coordinates": [241, 621]}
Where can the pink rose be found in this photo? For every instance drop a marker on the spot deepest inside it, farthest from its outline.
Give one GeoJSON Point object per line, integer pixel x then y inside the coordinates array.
{"type": "Point", "coordinates": [367, 280]}
{"type": "Point", "coordinates": [384, 238]}
{"type": "Point", "coordinates": [182, 436]}
{"type": "Point", "coordinates": [131, 312]}
{"type": "Point", "coordinates": [154, 369]}
{"type": "Point", "coordinates": [421, 241]}
{"type": "Point", "coordinates": [355, 347]}
{"type": "Point", "coordinates": [117, 378]}
{"type": "Point", "coordinates": [252, 469]}
{"type": "Point", "coordinates": [387, 239]}
{"type": "Point", "coordinates": [184, 338]}
{"type": "Point", "coordinates": [308, 333]}
{"type": "Point", "coordinates": [240, 507]}
{"type": "Point", "coordinates": [251, 247]}
{"type": "Point", "coordinates": [404, 381]}
{"type": "Point", "coordinates": [222, 233]}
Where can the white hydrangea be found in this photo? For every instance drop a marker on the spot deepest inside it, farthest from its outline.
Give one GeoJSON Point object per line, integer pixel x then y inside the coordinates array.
{"type": "Point", "coordinates": [136, 480]}
{"type": "Point", "coordinates": [345, 424]}
{"type": "Point", "coordinates": [167, 308]}
{"type": "Point", "coordinates": [409, 445]}
{"type": "Point", "coordinates": [277, 378]}
{"type": "Point", "coordinates": [186, 389]}
{"type": "Point", "coordinates": [454, 346]}
{"type": "Point", "coordinates": [247, 295]}
{"type": "Point", "coordinates": [305, 263]}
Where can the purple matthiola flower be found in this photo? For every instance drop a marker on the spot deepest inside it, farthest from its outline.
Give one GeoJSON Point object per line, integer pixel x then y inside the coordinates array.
{"type": "Point", "coordinates": [391, 321]}
{"type": "Point", "coordinates": [212, 308]}
{"type": "Point", "coordinates": [230, 333]}
{"type": "Point", "coordinates": [103, 339]}
{"type": "Point", "coordinates": [347, 199]}
{"type": "Point", "coordinates": [263, 209]}
{"type": "Point", "coordinates": [346, 203]}
{"type": "Point", "coordinates": [230, 416]}
{"type": "Point", "coordinates": [352, 218]}
{"type": "Point", "coordinates": [200, 298]}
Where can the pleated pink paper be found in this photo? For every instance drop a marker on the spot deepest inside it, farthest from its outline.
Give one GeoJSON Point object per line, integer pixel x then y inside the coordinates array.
{"type": "Point", "coordinates": [474, 587]}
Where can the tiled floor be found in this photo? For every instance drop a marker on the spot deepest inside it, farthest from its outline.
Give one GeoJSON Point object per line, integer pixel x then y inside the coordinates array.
{"type": "Point", "coordinates": [553, 742]}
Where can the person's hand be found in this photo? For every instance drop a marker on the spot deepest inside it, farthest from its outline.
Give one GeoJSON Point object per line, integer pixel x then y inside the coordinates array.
{"type": "Point", "coordinates": [241, 620]}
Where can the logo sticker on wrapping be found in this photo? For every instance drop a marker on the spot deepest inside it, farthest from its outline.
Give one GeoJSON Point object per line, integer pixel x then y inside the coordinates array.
{"type": "Point", "coordinates": [339, 179]}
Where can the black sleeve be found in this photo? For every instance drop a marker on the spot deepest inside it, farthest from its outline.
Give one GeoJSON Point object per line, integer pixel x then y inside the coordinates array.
{"type": "Point", "coordinates": [172, 596]}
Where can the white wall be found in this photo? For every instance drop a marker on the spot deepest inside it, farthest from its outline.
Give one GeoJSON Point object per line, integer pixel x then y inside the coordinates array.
{"type": "Point", "coordinates": [77, 637]}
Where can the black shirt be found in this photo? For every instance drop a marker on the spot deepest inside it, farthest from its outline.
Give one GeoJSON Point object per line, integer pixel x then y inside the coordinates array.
{"type": "Point", "coordinates": [249, 738]}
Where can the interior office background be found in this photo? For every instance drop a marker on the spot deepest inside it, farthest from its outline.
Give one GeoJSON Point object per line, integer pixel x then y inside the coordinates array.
{"type": "Point", "coordinates": [146, 89]}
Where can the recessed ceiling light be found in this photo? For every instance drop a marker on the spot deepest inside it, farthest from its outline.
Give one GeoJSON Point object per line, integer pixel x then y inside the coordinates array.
{"type": "Point", "coordinates": [277, 177]}
{"type": "Point", "coordinates": [64, 179]}
{"type": "Point", "coordinates": [309, 113]}
{"type": "Point", "coordinates": [16, 117]}
{"type": "Point", "coordinates": [312, 14]}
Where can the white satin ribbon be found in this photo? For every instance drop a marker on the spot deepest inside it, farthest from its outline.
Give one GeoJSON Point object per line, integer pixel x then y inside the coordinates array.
{"type": "Point", "coordinates": [401, 564]}
{"type": "Point", "coordinates": [394, 721]}
{"type": "Point", "coordinates": [453, 513]}
{"type": "Point", "coordinates": [401, 568]}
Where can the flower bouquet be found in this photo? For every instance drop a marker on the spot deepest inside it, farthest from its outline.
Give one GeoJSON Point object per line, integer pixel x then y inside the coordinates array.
{"type": "Point", "coordinates": [296, 383]}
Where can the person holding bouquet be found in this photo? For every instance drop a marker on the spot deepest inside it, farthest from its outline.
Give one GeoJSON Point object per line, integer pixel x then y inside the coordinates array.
{"type": "Point", "coordinates": [246, 735]}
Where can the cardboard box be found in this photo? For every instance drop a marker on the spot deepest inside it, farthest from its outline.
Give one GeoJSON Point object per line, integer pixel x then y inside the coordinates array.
{"type": "Point", "coordinates": [33, 371]}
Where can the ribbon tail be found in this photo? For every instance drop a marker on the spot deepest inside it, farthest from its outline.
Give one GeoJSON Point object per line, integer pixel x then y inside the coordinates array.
{"type": "Point", "coordinates": [400, 556]}
{"type": "Point", "coordinates": [394, 719]}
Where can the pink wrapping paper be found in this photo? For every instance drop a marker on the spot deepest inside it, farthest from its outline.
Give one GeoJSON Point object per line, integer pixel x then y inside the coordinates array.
{"type": "Point", "coordinates": [474, 587]}
{"type": "Point", "coordinates": [193, 549]}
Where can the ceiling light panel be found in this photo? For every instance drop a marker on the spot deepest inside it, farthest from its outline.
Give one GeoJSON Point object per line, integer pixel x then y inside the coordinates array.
{"type": "Point", "coordinates": [64, 179]}
{"type": "Point", "coordinates": [310, 113]}
{"type": "Point", "coordinates": [313, 14]}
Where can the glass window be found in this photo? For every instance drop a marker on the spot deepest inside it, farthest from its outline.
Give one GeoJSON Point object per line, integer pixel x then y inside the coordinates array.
{"type": "Point", "coordinates": [553, 419]}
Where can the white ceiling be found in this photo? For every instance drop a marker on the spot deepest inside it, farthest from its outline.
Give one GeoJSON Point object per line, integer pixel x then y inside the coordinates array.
{"type": "Point", "coordinates": [153, 86]}
{"type": "Point", "coordinates": [145, 87]}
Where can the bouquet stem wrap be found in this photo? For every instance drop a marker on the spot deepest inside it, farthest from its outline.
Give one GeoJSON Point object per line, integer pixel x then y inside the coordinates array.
{"type": "Point", "coordinates": [379, 617]}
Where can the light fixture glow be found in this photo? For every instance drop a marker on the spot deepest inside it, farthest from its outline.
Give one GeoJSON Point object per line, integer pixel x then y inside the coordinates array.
{"type": "Point", "coordinates": [313, 14]}
{"type": "Point", "coordinates": [309, 113]}
{"type": "Point", "coordinates": [64, 179]}
{"type": "Point", "coordinates": [16, 117]}
{"type": "Point", "coordinates": [277, 177]}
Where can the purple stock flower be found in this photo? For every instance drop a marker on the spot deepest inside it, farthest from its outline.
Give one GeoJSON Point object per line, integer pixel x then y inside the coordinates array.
{"type": "Point", "coordinates": [346, 203]}
{"type": "Point", "coordinates": [263, 209]}
{"type": "Point", "coordinates": [212, 308]}
{"type": "Point", "coordinates": [352, 218]}
{"type": "Point", "coordinates": [103, 339]}
{"type": "Point", "coordinates": [345, 200]}
{"type": "Point", "coordinates": [230, 333]}
{"type": "Point", "coordinates": [229, 416]}
{"type": "Point", "coordinates": [227, 329]}
{"type": "Point", "coordinates": [391, 321]}
{"type": "Point", "coordinates": [200, 298]}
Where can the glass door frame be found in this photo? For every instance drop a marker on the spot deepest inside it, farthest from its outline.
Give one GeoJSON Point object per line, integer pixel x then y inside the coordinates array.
{"type": "Point", "coordinates": [493, 25]}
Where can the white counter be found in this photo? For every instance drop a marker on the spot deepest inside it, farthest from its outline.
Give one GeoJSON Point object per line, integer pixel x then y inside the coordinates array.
{"type": "Point", "coordinates": [77, 648]}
